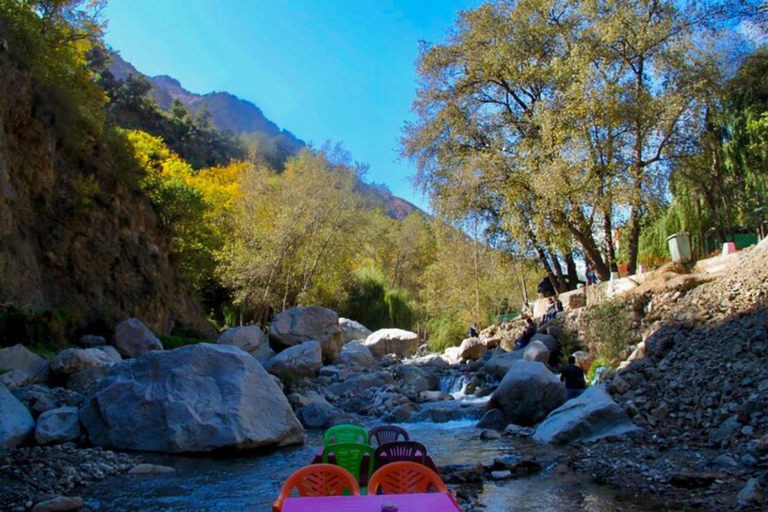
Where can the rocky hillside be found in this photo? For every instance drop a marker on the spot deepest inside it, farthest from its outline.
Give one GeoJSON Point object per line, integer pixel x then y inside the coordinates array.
{"type": "Point", "coordinates": [75, 235]}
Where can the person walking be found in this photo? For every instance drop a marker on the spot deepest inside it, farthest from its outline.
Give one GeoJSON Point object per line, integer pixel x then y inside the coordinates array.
{"type": "Point", "coordinates": [573, 377]}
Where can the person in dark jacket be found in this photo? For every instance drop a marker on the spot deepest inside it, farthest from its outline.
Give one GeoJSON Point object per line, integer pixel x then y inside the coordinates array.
{"type": "Point", "coordinates": [530, 332]}
{"type": "Point", "coordinates": [573, 377]}
{"type": "Point", "coordinates": [473, 332]}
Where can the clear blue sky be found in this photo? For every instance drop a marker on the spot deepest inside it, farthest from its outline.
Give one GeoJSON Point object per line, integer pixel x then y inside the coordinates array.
{"type": "Point", "coordinates": [340, 70]}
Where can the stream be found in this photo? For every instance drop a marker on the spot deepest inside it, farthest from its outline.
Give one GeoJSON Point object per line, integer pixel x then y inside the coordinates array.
{"type": "Point", "coordinates": [253, 482]}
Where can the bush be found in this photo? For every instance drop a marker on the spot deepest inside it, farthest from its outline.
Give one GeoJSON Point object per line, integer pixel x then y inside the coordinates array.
{"type": "Point", "coordinates": [172, 342]}
{"type": "Point", "coordinates": [606, 331]}
{"type": "Point", "coordinates": [45, 331]}
{"type": "Point", "coordinates": [445, 331]}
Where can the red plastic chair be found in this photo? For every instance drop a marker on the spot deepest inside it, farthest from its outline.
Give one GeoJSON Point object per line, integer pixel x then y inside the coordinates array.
{"type": "Point", "coordinates": [318, 480]}
{"type": "Point", "coordinates": [387, 434]}
{"type": "Point", "coordinates": [405, 478]}
{"type": "Point", "coordinates": [407, 451]}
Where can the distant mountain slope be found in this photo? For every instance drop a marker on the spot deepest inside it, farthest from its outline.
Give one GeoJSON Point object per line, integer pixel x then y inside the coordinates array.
{"type": "Point", "coordinates": [230, 113]}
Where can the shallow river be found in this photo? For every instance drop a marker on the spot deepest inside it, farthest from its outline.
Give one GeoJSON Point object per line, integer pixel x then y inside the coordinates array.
{"type": "Point", "coordinates": [252, 483]}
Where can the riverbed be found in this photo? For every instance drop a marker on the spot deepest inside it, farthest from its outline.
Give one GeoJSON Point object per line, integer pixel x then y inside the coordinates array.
{"type": "Point", "coordinates": [253, 482]}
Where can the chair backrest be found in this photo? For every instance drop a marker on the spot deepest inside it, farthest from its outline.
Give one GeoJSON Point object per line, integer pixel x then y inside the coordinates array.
{"type": "Point", "coordinates": [405, 478]}
{"type": "Point", "coordinates": [345, 434]}
{"type": "Point", "coordinates": [350, 456]}
{"type": "Point", "coordinates": [387, 434]}
{"type": "Point", "coordinates": [318, 480]}
{"type": "Point", "coordinates": [408, 451]}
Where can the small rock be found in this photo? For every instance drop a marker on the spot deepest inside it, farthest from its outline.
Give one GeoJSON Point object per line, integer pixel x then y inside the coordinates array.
{"type": "Point", "coordinates": [501, 475]}
{"type": "Point", "coordinates": [150, 469]}
{"type": "Point", "coordinates": [59, 504]}
{"type": "Point", "coordinates": [489, 435]}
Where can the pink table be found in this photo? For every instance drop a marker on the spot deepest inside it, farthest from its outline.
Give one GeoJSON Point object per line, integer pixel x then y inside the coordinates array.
{"type": "Point", "coordinates": [429, 502]}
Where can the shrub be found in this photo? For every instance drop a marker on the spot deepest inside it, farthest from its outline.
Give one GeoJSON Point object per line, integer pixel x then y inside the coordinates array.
{"type": "Point", "coordinates": [445, 331]}
{"type": "Point", "coordinates": [606, 330]}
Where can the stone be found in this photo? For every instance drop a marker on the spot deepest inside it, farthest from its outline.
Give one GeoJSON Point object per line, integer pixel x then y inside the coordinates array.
{"type": "Point", "coordinates": [359, 383]}
{"type": "Point", "coordinates": [73, 360]}
{"type": "Point", "coordinates": [58, 426]}
{"type": "Point", "coordinates": [490, 435]}
{"type": "Point", "coordinates": [302, 360]}
{"type": "Point", "coordinates": [589, 417]}
{"type": "Point", "coordinates": [452, 355]}
{"type": "Point", "coordinates": [434, 396]}
{"type": "Point", "coordinates": [751, 495]}
{"type": "Point", "coordinates": [134, 339]}
{"type": "Point", "coordinates": [15, 379]}
{"type": "Point", "coordinates": [111, 353]}
{"type": "Point", "coordinates": [355, 354]}
{"type": "Point", "coordinates": [249, 338]}
{"type": "Point", "coordinates": [618, 385]}
{"type": "Point", "coordinates": [472, 349]}
{"type": "Point", "coordinates": [493, 418]}
{"type": "Point", "coordinates": [726, 430]}
{"type": "Point", "coordinates": [312, 323]}
{"type": "Point", "coordinates": [16, 423]}
{"type": "Point", "coordinates": [513, 430]}
{"type": "Point", "coordinates": [19, 358]}
{"type": "Point", "coordinates": [91, 341]}
{"type": "Point", "coordinates": [528, 393]}
{"type": "Point", "coordinates": [59, 504]}
{"type": "Point", "coordinates": [500, 362]}
{"type": "Point", "coordinates": [197, 398]}
{"type": "Point", "coordinates": [352, 330]}
{"type": "Point", "coordinates": [549, 341]}
{"type": "Point", "coordinates": [83, 381]}
{"type": "Point", "coordinates": [150, 469]}
{"type": "Point", "coordinates": [321, 416]}
{"type": "Point", "coordinates": [504, 474]}
{"type": "Point", "coordinates": [393, 341]}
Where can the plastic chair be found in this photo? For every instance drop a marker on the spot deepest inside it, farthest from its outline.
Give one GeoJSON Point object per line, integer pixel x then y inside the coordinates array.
{"type": "Point", "coordinates": [387, 434]}
{"type": "Point", "coordinates": [345, 434]}
{"type": "Point", "coordinates": [350, 456]}
{"type": "Point", "coordinates": [318, 480]}
{"type": "Point", "coordinates": [405, 478]}
{"type": "Point", "coordinates": [401, 451]}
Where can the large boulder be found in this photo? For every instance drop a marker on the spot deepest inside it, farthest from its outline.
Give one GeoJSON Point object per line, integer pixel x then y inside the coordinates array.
{"type": "Point", "coordinates": [16, 423]}
{"type": "Point", "coordinates": [249, 338]}
{"type": "Point", "coordinates": [351, 330]}
{"type": "Point", "coordinates": [134, 339]}
{"type": "Point", "coordinates": [528, 393]}
{"type": "Point", "coordinates": [58, 426]}
{"type": "Point", "coordinates": [197, 398]}
{"type": "Point", "coordinates": [359, 383]}
{"type": "Point", "coordinates": [500, 362]}
{"type": "Point", "coordinates": [393, 341]}
{"type": "Point", "coordinates": [355, 353]}
{"type": "Point", "coordinates": [472, 349]}
{"type": "Point", "coordinates": [303, 360]}
{"type": "Point", "coordinates": [548, 340]}
{"type": "Point", "coordinates": [591, 416]}
{"type": "Point", "coordinates": [73, 360]}
{"type": "Point", "coordinates": [313, 323]}
{"type": "Point", "coordinates": [18, 358]}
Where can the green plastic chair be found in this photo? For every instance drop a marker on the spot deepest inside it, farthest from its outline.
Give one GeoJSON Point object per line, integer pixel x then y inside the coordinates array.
{"type": "Point", "coordinates": [346, 434]}
{"type": "Point", "coordinates": [350, 456]}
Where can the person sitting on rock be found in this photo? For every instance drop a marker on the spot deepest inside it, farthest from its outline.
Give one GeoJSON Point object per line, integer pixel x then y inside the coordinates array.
{"type": "Point", "coordinates": [473, 332]}
{"type": "Point", "coordinates": [530, 331]}
{"type": "Point", "coordinates": [573, 377]}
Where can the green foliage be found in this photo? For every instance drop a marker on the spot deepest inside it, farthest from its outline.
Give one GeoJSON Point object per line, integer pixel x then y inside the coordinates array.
{"type": "Point", "coordinates": [606, 331]}
{"type": "Point", "coordinates": [172, 342]}
{"type": "Point", "coordinates": [46, 331]}
{"type": "Point", "coordinates": [85, 189]}
{"type": "Point", "coordinates": [445, 330]}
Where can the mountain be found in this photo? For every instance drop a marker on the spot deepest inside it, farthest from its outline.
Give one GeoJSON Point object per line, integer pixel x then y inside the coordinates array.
{"type": "Point", "coordinates": [233, 114]}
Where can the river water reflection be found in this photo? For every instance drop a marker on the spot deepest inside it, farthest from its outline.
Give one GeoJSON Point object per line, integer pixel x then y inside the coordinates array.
{"type": "Point", "coordinates": [252, 483]}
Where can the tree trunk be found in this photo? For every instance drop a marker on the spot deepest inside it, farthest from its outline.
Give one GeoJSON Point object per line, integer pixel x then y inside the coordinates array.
{"type": "Point", "coordinates": [573, 278]}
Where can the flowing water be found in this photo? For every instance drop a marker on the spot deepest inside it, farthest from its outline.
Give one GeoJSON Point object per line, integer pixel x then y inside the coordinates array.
{"type": "Point", "coordinates": [253, 482]}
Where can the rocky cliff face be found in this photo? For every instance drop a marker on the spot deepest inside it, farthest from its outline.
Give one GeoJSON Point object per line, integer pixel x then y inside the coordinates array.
{"type": "Point", "coordinates": [75, 235]}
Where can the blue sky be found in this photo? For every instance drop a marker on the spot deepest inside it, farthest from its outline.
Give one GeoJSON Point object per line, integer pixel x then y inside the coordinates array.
{"type": "Point", "coordinates": [340, 70]}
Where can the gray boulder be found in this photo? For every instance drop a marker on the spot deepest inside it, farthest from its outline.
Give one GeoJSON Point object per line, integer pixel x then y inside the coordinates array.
{"type": "Point", "coordinates": [472, 349]}
{"type": "Point", "coordinates": [500, 362]}
{"type": "Point", "coordinates": [302, 360]}
{"type": "Point", "coordinates": [249, 338]}
{"type": "Point", "coordinates": [19, 358]}
{"type": "Point", "coordinates": [73, 360]}
{"type": "Point", "coordinates": [134, 339]}
{"type": "Point", "coordinates": [360, 383]}
{"type": "Point", "coordinates": [351, 330]}
{"type": "Point", "coordinates": [197, 398]}
{"type": "Point", "coordinates": [591, 416]}
{"type": "Point", "coordinates": [528, 393]}
{"type": "Point", "coordinates": [16, 423]}
{"type": "Point", "coordinates": [355, 354]}
{"type": "Point", "coordinates": [549, 341]}
{"type": "Point", "coordinates": [15, 379]}
{"type": "Point", "coordinates": [322, 415]}
{"type": "Point", "coordinates": [313, 323]}
{"type": "Point", "coordinates": [91, 341]}
{"type": "Point", "coordinates": [83, 381]}
{"type": "Point", "coordinates": [111, 352]}
{"type": "Point", "coordinates": [58, 426]}
{"type": "Point", "coordinates": [392, 341]}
